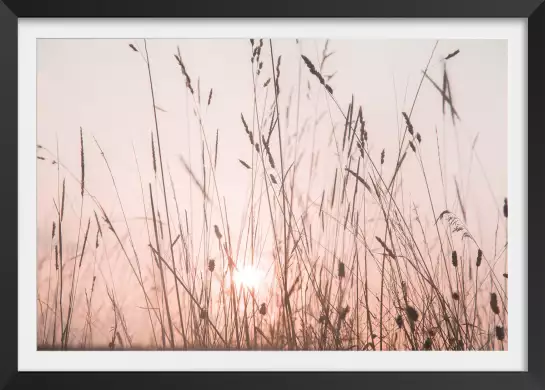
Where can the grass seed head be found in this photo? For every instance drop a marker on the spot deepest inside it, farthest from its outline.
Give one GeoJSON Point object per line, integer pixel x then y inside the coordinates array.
{"type": "Point", "coordinates": [479, 257]}
{"type": "Point", "coordinates": [454, 259]}
{"type": "Point", "coordinates": [412, 314]}
{"type": "Point", "coordinates": [500, 333]}
{"type": "Point", "coordinates": [494, 303]}
{"type": "Point", "coordinates": [399, 321]}
{"type": "Point", "coordinates": [211, 265]}
{"type": "Point", "coordinates": [341, 270]}
{"type": "Point", "coordinates": [217, 231]}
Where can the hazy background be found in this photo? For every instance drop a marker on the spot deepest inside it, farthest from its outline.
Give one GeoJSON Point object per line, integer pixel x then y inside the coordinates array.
{"type": "Point", "coordinates": [103, 86]}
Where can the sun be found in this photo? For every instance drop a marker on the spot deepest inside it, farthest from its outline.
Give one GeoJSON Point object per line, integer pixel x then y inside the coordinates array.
{"type": "Point", "coordinates": [249, 277]}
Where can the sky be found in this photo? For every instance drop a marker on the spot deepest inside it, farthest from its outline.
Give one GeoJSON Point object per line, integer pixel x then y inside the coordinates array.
{"type": "Point", "coordinates": [103, 87]}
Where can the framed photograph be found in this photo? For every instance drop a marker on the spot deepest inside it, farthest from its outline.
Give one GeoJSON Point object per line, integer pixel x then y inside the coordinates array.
{"type": "Point", "coordinates": [330, 199]}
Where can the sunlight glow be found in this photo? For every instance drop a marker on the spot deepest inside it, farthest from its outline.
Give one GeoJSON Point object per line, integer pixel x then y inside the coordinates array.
{"type": "Point", "coordinates": [248, 276]}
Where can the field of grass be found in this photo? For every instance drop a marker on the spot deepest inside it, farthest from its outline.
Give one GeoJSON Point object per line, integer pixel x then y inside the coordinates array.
{"type": "Point", "coordinates": [353, 264]}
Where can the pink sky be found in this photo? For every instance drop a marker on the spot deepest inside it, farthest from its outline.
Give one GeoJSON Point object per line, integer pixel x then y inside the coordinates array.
{"type": "Point", "coordinates": [102, 86]}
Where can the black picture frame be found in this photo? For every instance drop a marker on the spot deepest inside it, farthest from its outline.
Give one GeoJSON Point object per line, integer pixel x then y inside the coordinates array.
{"type": "Point", "coordinates": [533, 10]}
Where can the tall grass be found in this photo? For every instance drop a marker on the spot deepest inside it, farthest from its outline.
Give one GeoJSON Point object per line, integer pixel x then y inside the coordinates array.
{"type": "Point", "coordinates": [437, 286]}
